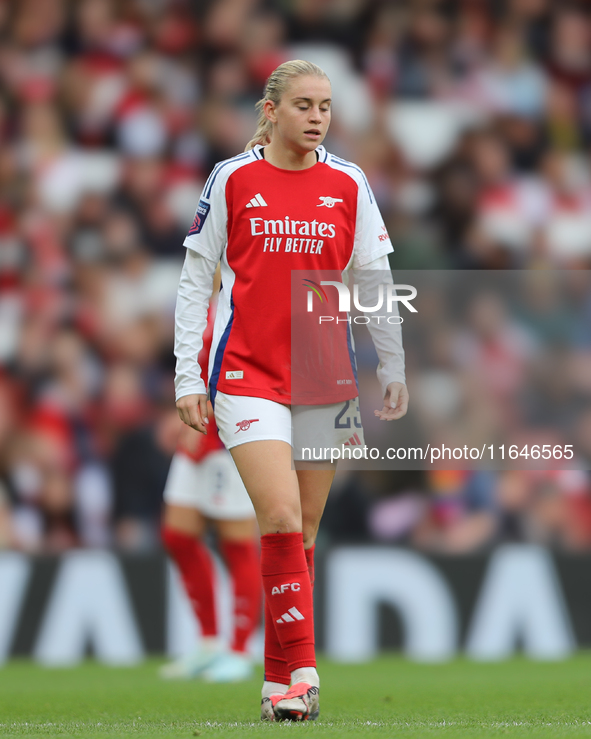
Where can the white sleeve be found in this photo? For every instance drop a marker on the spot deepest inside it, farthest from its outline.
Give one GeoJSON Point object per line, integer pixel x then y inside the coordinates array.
{"type": "Point", "coordinates": [209, 233]}
{"type": "Point", "coordinates": [195, 288]}
{"type": "Point", "coordinates": [387, 337]}
{"type": "Point", "coordinates": [371, 238]}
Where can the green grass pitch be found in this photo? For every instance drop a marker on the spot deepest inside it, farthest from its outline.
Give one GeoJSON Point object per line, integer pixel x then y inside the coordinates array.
{"type": "Point", "coordinates": [388, 697]}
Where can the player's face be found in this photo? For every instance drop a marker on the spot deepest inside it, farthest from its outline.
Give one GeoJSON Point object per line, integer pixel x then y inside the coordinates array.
{"type": "Point", "coordinates": [303, 115]}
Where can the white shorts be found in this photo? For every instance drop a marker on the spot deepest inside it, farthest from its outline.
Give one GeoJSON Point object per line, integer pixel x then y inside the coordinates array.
{"type": "Point", "coordinates": [242, 418]}
{"type": "Point", "coordinates": [212, 486]}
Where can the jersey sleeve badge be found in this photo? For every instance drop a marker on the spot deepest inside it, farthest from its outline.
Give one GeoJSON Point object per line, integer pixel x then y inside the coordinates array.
{"type": "Point", "coordinates": [200, 215]}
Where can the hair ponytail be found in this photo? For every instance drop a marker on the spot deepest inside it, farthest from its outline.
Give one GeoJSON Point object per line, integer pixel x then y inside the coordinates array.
{"type": "Point", "coordinates": [263, 133]}
{"type": "Point", "coordinates": [274, 89]}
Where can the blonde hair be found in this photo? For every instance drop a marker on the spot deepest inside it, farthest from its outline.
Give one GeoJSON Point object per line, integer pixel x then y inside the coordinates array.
{"type": "Point", "coordinates": [274, 89]}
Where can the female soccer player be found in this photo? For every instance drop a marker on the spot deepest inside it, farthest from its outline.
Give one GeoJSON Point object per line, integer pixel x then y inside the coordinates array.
{"type": "Point", "coordinates": [285, 204]}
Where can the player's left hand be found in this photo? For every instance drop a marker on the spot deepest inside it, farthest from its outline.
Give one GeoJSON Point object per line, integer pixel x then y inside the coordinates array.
{"type": "Point", "coordinates": [395, 402]}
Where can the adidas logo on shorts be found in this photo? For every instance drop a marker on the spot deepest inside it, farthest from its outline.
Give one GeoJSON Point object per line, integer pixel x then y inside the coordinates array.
{"type": "Point", "coordinates": [353, 441]}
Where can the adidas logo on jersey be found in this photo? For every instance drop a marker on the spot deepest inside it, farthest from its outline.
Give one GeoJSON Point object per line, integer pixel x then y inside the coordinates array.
{"type": "Point", "coordinates": [257, 202]}
{"type": "Point", "coordinates": [292, 615]}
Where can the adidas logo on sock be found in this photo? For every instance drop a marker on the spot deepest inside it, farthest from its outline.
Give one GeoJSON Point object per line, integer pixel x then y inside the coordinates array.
{"type": "Point", "coordinates": [292, 615]}
{"type": "Point", "coordinates": [257, 202]}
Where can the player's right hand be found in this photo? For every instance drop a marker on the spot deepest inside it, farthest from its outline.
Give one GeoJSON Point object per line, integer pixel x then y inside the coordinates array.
{"type": "Point", "coordinates": [193, 411]}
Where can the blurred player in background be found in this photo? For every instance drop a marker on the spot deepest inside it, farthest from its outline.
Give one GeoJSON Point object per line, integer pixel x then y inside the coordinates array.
{"type": "Point", "coordinates": [204, 487]}
{"type": "Point", "coordinates": [285, 204]}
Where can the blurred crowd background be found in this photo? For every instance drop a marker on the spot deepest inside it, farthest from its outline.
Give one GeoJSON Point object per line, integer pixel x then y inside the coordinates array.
{"type": "Point", "coordinates": [472, 121]}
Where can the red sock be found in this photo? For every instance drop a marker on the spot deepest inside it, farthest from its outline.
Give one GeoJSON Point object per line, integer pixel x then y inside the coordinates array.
{"type": "Point", "coordinates": [289, 597]}
{"type": "Point", "coordinates": [196, 568]}
{"type": "Point", "coordinates": [242, 560]}
{"type": "Point", "coordinates": [276, 669]}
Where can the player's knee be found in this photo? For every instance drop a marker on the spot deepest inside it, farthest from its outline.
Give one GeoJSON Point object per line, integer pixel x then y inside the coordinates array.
{"type": "Point", "coordinates": [281, 521]}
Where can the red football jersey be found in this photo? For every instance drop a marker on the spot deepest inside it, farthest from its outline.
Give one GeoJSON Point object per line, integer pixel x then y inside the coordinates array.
{"type": "Point", "coordinates": [263, 222]}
